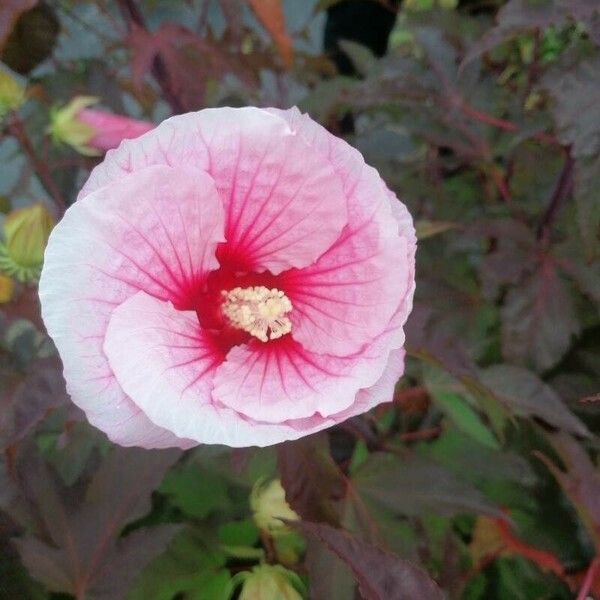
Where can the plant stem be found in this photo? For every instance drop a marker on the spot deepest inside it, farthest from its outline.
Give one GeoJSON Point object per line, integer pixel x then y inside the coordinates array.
{"type": "Point", "coordinates": [564, 187]}
{"type": "Point", "coordinates": [17, 129]}
{"type": "Point", "coordinates": [503, 124]}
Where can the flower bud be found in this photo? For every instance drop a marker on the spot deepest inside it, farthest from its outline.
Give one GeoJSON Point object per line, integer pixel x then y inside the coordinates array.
{"type": "Point", "coordinates": [269, 506]}
{"type": "Point", "coordinates": [92, 132]}
{"type": "Point", "coordinates": [26, 233]}
{"type": "Point", "coordinates": [271, 582]}
{"type": "Point", "coordinates": [6, 289]}
{"type": "Point", "coordinates": [12, 93]}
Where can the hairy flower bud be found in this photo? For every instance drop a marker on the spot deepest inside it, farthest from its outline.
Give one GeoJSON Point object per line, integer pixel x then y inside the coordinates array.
{"type": "Point", "coordinates": [92, 132]}
{"type": "Point", "coordinates": [271, 582]}
{"type": "Point", "coordinates": [269, 506]}
{"type": "Point", "coordinates": [25, 233]}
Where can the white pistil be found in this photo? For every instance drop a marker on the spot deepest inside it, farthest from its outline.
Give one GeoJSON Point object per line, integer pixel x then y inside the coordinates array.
{"type": "Point", "coordinates": [258, 310]}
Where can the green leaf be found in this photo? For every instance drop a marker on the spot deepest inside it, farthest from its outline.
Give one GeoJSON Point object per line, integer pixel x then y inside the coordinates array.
{"type": "Point", "coordinates": [212, 586]}
{"type": "Point", "coordinates": [239, 533]}
{"type": "Point", "coordinates": [449, 395]}
{"type": "Point", "coordinates": [195, 491]}
{"type": "Point", "coordinates": [362, 58]}
{"type": "Point", "coordinates": [465, 418]}
{"type": "Point", "coordinates": [190, 565]}
{"type": "Point", "coordinates": [478, 464]}
{"type": "Point", "coordinates": [70, 451]}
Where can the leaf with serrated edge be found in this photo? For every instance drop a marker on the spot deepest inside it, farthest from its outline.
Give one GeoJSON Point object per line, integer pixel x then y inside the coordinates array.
{"type": "Point", "coordinates": [414, 485]}
{"type": "Point", "coordinates": [310, 478]}
{"type": "Point", "coordinates": [379, 574]}
{"type": "Point", "coordinates": [526, 395]}
{"type": "Point", "coordinates": [85, 533]}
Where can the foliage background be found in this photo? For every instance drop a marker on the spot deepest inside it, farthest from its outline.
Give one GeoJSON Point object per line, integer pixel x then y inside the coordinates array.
{"type": "Point", "coordinates": [481, 473]}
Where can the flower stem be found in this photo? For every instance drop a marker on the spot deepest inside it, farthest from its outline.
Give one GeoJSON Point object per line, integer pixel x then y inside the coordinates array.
{"type": "Point", "coordinates": [17, 129]}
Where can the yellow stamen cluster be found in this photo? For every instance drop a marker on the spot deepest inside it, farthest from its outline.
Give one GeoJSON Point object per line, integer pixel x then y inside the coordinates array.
{"type": "Point", "coordinates": [258, 310]}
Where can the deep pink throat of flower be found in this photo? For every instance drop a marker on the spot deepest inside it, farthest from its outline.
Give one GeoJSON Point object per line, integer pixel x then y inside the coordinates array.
{"type": "Point", "coordinates": [234, 276]}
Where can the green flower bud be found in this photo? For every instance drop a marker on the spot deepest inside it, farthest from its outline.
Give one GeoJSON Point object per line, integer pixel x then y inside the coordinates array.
{"type": "Point", "coordinates": [26, 233]}
{"type": "Point", "coordinates": [269, 506]}
{"type": "Point", "coordinates": [12, 93]}
{"type": "Point", "coordinates": [270, 582]}
{"type": "Point", "coordinates": [6, 288]}
{"type": "Point", "coordinates": [66, 126]}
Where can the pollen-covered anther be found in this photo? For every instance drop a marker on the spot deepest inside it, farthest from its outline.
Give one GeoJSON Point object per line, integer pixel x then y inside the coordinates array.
{"type": "Point", "coordinates": [258, 310]}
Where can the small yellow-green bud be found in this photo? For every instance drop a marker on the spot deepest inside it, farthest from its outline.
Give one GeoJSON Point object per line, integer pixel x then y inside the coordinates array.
{"type": "Point", "coordinates": [269, 506]}
{"type": "Point", "coordinates": [66, 127]}
{"type": "Point", "coordinates": [6, 288]}
{"type": "Point", "coordinates": [25, 234]}
{"type": "Point", "coordinates": [12, 93]}
{"type": "Point", "coordinates": [271, 582]}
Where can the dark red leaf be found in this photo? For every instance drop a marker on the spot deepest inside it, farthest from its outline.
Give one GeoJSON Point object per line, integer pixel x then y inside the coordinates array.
{"type": "Point", "coordinates": [311, 479]}
{"type": "Point", "coordinates": [579, 480]}
{"type": "Point", "coordinates": [42, 391]}
{"type": "Point", "coordinates": [538, 319]}
{"type": "Point", "coordinates": [523, 393]}
{"type": "Point", "coordinates": [10, 11]}
{"type": "Point", "coordinates": [190, 61]}
{"type": "Point", "coordinates": [574, 89]}
{"type": "Point", "coordinates": [413, 485]}
{"type": "Point", "coordinates": [520, 16]}
{"type": "Point", "coordinates": [79, 549]}
{"type": "Point", "coordinates": [31, 38]}
{"type": "Point", "coordinates": [380, 575]}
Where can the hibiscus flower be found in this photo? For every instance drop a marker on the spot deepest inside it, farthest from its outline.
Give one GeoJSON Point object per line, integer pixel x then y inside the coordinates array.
{"type": "Point", "coordinates": [234, 276]}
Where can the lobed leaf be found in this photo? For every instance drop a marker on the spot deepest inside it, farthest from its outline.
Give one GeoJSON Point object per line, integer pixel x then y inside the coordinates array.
{"type": "Point", "coordinates": [379, 574]}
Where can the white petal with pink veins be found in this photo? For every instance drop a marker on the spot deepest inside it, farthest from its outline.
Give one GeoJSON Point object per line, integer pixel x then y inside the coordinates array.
{"type": "Point", "coordinates": [281, 380]}
{"type": "Point", "coordinates": [155, 230]}
{"type": "Point", "coordinates": [349, 295]}
{"type": "Point", "coordinates": [284, 206]}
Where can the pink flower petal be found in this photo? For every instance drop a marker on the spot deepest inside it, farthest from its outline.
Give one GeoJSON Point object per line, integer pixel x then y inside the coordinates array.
{"type": "Point", "coordinates": [166, 363]}
{"type": "Point", "coordinates": [111, 129]}
{"type": "Point", "coordinates": [158, 352]}
{"type": "Point", "coordinates": [350, 294]}
{"type": "Point", "coordinates": [380, 392]}
{"type": "Point", "coordinates": [106, 249]}
{"type": "Point", "coordinates": [281, 380]}
{"type": "Point", "coordinates": [284, 205]}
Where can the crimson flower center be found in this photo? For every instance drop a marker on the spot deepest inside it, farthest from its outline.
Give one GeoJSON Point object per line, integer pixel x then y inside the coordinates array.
{"type": "Point", "coordinates": [258, 310]}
